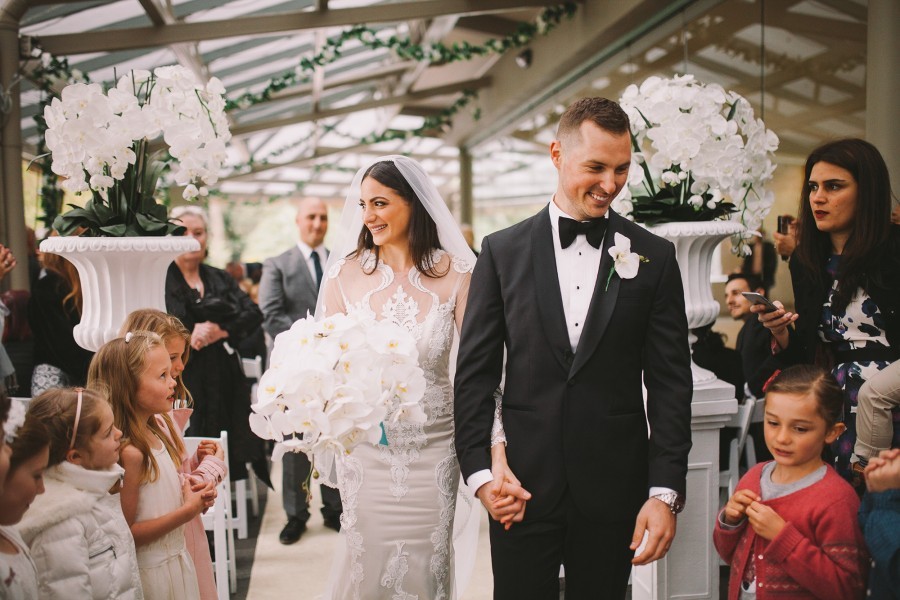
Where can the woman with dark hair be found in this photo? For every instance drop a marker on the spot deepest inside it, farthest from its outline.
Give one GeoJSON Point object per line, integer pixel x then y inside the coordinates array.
{"type": "Point", "coordinates": [846, 278]}
{"type": "Point", "coordinates": [403, 259]}
{"type": "Point", "coordinates": [53, 312]}
{"type": "Point", "coordinates": [219, 316]}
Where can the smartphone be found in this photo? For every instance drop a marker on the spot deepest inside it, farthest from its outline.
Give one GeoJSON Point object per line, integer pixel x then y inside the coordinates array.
{"type": "Point", "coordinates": [784, 223]}
{"type": "Point", "coordinates": [755, 298]}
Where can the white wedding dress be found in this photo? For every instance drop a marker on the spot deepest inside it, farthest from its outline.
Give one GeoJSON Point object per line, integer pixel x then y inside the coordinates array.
{"type": "Point", "coordinates": [399, 499]}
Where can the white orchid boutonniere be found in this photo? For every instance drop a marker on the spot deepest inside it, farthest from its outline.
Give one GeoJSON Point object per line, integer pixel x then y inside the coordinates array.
{"type": "Point", "coordinates": [626, 262]}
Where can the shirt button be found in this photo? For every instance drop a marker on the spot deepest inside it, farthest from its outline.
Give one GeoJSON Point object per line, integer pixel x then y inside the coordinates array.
{"type": "Point", "coordinates": [759, 557]}
{"type": "Point", "coordinates": [571, 383]}
{"type": "Point", "coordinates": [576, 324]}
{"type": "Point", "coordinates": [577, 287]}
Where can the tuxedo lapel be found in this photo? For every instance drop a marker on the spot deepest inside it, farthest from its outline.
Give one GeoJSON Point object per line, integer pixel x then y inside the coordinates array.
{"type": "Point", "coordinates": [549, 299]}
{"type": "Point", "coordinates": [603, 300]}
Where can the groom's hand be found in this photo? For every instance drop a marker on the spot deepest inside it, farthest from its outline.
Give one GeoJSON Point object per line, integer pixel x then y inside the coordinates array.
{"type": "Point", "coordinates": [658, 521]}
{"type": "Point", "coordinates": [503, 498]}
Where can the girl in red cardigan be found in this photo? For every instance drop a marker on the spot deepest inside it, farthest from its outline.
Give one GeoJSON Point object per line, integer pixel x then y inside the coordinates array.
{"type": "Point", "coordinates": [790, 529]}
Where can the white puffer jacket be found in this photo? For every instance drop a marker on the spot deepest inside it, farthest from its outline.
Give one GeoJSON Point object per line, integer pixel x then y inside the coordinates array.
{"type": "Point", "coordinates": [79, 539]}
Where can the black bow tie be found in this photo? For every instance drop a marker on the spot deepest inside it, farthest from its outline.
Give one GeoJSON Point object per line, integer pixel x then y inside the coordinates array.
{"type": "Point", "coordinates": [593, 230]}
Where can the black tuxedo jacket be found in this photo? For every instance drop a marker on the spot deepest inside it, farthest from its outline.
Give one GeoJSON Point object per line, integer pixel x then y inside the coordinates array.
{"type": "Point", "coordinates": [577, 421]}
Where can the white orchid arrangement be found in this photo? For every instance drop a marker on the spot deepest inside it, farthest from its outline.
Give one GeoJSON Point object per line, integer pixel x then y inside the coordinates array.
{"type": "Point", "coordinates": [331, 385]}
{"type": "Point", "coordinates": [103, 143]}
{"type": "Point", "coordinates": [625, 262]}
{"type": "Point", "coordinates": [699, 154]}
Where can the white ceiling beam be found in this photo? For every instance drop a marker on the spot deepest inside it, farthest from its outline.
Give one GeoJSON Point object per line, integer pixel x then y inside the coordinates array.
{"type": "Point", "coordinates": [453, 88]}
{"type": "Point", "coordinates": [599, 28]}
{"type": "Point", "coordinates": [148, 37]}
{"type": "Point", "coordinates": [369, 74]}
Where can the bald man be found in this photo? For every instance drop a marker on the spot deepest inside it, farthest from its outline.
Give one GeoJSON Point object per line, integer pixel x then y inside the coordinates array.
{"type": "Point", "coordinates": [288, 289]}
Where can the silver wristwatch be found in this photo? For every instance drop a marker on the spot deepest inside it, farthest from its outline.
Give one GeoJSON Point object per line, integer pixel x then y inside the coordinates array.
{"type": "Point", "coordinates": [673, 500]}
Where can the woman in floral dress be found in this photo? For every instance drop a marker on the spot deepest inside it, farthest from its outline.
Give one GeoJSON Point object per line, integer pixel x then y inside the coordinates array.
{"type": "Point", "coordinates": [846, 278]}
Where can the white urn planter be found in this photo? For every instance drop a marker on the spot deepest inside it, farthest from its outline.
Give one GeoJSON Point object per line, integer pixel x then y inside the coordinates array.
{"type": "Point", "coordinates": [118, 275]}
{"type": "Point", "coordinates": [694, 246]}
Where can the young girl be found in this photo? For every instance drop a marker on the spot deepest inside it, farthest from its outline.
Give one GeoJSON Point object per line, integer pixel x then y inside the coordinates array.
{"type": "Point", "coordinates": [156, 501]}
{"type": "Point", "coordinates": [207, 464]}
{"type": "Point", "coordinates": [28, 448]}
{"type": "Point", "coordinates": [79, 539]}
{"type": "Point", "coordinates": [791, 525]}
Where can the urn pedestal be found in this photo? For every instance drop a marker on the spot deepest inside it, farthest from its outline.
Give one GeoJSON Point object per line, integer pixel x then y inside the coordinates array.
{"type": "Point", "coordinates": [118, 275]}
{"type": "Point", "coordinates": [691, 568]}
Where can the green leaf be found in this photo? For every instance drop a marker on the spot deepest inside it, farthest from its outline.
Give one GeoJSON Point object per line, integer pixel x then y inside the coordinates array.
{"type": "Point", "coordinates": [114, 230]}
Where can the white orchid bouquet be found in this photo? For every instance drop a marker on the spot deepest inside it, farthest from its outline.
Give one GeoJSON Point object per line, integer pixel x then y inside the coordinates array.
{"type": "Point", "coordinates": [698, 154]}
{"type": "Point", "coordinates": [331, 384]}
{"type": "Point", "coordinates": [103, 143]}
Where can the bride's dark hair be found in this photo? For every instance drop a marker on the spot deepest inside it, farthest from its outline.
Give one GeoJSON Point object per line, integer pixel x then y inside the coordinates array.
{"type": "Point", "coordinates": [423, 234]}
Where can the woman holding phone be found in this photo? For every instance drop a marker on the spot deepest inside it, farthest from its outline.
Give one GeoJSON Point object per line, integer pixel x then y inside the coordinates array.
{"type": "Point", "coordinates": [846, 278]}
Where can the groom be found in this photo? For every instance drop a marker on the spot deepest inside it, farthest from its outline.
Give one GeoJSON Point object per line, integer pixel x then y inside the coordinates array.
{"type": "Point", "coordinates": [581, 333]}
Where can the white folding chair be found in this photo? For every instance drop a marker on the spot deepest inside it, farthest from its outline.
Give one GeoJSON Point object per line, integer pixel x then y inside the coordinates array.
{"type": "Point", "coordinates": [218, 520]}
{"type": "Point", "coordinates": [252, 370]}
{"type": "Point", "coordinates": [750, 411]}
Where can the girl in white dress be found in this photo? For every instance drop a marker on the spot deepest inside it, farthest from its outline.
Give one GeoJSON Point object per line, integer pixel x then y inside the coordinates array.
{"type": "Point", "coordinates": [156, 501]}
{"type": "Point", "coordinates": [406, 262]}
{"type": "Point", "coordinates": [24, 451]}
{"type": "Point", "coordinates": [79, 540]}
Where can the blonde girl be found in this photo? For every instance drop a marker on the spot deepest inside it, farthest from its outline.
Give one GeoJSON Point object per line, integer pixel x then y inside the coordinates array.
{"type": "Point", "coordinates": [790, 530]}
{"type": "Point", "coordinates": [206, 464]}
{"type": "Point", "coordinates": [27, 447]}
{"type": "Point", "coordinates": [79, 540]}
{"type": "Point", "coordinates": [157, 502]}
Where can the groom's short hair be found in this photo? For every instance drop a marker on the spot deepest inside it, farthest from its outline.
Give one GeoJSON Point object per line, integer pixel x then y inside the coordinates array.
{"type": "Point", "coordinates": [604, 113]}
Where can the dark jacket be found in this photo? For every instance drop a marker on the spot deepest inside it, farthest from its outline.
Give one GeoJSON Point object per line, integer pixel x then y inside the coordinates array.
{"type": "Point", "coordinates": [213, 375]}
{"type": "Point", "coordinates": [576, 421]}
{"type": "Point", "coordinates": [881, 283]}
{"type": "Point", "coordinates": [52, 324]}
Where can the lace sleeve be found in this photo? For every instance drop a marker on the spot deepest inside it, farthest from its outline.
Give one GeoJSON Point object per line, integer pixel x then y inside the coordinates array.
{"type": "Point", "coordinates": [498, 435]}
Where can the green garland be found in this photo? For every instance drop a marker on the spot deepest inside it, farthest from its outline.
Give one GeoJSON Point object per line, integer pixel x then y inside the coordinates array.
{"type": "Point", "coordinates": [53, 70]}
{"type": "Point", "coordinates": [405, 48]}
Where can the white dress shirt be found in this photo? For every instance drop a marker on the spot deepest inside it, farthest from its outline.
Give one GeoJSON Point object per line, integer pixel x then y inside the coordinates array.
{"type": "Point", "coordinates": [307, 251]}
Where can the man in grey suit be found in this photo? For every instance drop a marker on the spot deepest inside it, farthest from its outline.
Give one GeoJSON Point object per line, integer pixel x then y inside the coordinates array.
{"type": "Point", "coordinates": [287, 291]}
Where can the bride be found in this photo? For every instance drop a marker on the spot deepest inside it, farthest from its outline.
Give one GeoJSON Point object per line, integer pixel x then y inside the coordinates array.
{"type": "Point", "coordinates": [408, 264]}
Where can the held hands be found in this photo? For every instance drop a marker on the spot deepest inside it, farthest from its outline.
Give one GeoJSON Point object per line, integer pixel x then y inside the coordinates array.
{"type": "Point", "coordinates": [504, 497]}
{"type": "Point", "coordinates": [197, 496]}
{"type": "Point", "coordinates": [776, 321]}
{"type": "Point", "coordinates": [658, 522]}
{"type": "Point", "coordinates": [7, 261]}
{"type": "Point", "coordinates": [883, 472]}
{"type": "Point", "coordinates": [210, 448]}
{"type": "Point", "coordinates": [206, 333]}
{"type": "Point", "coordinates": [736, 509]}
{"type": "Point", "coordinates": [765, 522]}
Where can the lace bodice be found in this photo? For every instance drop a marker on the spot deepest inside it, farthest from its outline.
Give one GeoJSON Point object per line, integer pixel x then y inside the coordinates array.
{"type": "Point", "coordinates": [428, 307]}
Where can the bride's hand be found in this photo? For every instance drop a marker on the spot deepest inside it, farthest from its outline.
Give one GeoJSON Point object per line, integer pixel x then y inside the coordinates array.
{"type": "Point", "coordinates": [511, 497]}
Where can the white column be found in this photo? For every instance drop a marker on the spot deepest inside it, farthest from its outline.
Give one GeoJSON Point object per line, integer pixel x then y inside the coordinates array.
{"type": "Point", "coordinates": [883, 82]}
{"type": "Point", "coordinates": [691, 568]}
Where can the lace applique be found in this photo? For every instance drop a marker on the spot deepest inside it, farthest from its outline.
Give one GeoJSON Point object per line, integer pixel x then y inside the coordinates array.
{"type": "Point", "coordinates": [447, 480]}
{"type": "Point", "coordinates": [404, 442]}
{"type": "Point", "coordinates": [394, 573]}
{"type": "Point", "coordinates": [402, 309]}
{"type": "Point", "coordinates": [461, 265]}
{"type": "Point", "coordinates": [498, 434]}
{"type": "Point", "coordinates": [350, 476]}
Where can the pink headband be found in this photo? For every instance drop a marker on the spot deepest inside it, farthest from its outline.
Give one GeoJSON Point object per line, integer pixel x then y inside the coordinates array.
{"type": "Point", "coordinates": [77, 418]}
